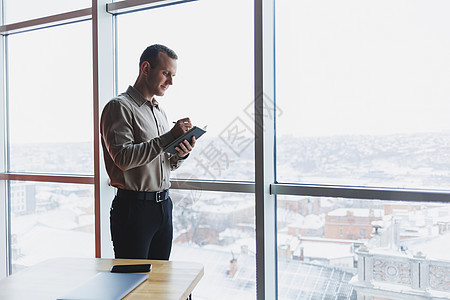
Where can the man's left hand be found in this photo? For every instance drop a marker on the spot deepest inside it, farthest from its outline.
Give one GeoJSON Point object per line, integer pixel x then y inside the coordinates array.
{"type": "Point", "coordinates": [185, 148]}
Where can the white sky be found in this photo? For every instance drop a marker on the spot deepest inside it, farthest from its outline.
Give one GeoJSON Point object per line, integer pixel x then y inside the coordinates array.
{"type": "Point", "coordinates": [343, 67]}
{"type": "Point", "coordinates": [214, 81]}
{"type": "Point", "coordinates": [357, 67]}
{"type": "Point", "coordinates": [50, 80]}
{"type": "Point", "coordinates": [15, 11]}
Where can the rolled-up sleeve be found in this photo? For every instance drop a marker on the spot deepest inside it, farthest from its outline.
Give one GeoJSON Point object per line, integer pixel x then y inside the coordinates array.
{"type": "Point", "coordinates": [175, 161]}
{"type": "Point", "coordinates": [119, 137]}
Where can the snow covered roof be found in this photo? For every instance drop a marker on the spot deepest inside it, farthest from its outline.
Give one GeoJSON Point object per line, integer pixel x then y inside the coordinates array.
{"type": "Point", "coordinates": [296, 279]}
{"type": "Point", "coordinates": [357, 212]}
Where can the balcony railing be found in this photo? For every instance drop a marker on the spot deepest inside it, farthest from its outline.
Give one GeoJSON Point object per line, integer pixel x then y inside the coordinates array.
{"type": "Point", "coordinates": [400, 276]}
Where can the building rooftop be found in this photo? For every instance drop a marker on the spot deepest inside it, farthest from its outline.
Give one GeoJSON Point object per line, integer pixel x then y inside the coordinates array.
{"type": "Point", "coordinates": [297, 280]}
{"type": "Point", "coordinates": [357, 212]}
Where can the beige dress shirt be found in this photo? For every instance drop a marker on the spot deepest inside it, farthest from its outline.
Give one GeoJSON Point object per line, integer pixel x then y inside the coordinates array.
{"type": "Point", "coordinates": [134, 132]}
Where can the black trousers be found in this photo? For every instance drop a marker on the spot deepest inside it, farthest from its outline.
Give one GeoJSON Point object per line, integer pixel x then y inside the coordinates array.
{"type": "Point", "coordinates": [141, 229]}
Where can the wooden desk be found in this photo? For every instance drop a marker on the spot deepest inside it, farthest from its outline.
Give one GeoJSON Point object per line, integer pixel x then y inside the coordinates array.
{"type": "Point", "coordinates": [56, 277]}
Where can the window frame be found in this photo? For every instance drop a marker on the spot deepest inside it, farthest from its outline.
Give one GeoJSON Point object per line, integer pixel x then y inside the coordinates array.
{"type": "Point", "coordinates": [4, 237]}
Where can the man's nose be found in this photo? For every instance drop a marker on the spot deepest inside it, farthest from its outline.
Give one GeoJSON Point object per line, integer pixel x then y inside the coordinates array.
{"type": "Point", "coordinates": [170, 80]}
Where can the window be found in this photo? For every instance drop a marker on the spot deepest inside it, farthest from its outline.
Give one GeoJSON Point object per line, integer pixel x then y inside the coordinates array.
{"type": "Point", "coordinates": [214, 80]}
{"type": "Point", "coordinates": [362, 233]}
{"type": "Point", "coordinates": [50, 100]}
{"type": "Point", "coordinates": [324, 249]}
{"type": "Point", "coordinates": [361, 93]}
{"type": "Point", "coordinates": [218, 231]}
{"type": "Point", "coordinates": [361, 109]}
{"type": "Point", "coordinates": [50, 220]}
{"type": "Point", "coordinates": [48, 133]}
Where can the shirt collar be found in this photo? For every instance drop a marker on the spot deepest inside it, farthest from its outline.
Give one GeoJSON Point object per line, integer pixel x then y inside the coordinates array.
{"type": "Point", "coordinates": [139, 99]}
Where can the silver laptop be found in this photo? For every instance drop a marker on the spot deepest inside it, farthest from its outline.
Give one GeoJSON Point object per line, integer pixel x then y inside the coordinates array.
{"type": "Point", "coordinates": [106, 286]}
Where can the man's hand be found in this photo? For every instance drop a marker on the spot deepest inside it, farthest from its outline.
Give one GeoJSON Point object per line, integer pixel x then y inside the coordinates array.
{"type": "Point", "coordinates": [185, 148]}
{"type": "Point", "coordinates": [181, 127]}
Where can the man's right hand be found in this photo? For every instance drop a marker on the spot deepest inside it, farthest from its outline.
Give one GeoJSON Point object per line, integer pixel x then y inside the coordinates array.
{"type": "Point", "coordinates": [181, 127]}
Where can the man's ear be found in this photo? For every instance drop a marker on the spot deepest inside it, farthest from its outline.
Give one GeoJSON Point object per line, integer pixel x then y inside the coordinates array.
{"type": "Point", "coordinates": [145, 67]}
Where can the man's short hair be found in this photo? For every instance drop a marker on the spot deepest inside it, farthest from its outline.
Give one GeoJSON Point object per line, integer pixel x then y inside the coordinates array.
{"type": "Point", "coordinates": [151, 54]}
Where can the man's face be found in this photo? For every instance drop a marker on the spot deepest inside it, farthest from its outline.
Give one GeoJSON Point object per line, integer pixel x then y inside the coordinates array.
{"type": "Point", "coordinates": [160, 77]}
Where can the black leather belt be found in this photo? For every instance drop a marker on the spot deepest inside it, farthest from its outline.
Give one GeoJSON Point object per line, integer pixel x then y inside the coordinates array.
{"type": "Point", "coordinates": [152, 196]}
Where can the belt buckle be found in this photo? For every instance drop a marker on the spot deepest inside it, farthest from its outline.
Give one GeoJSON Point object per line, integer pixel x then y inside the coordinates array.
{"type": "Point", "coordinates": [159, 196]}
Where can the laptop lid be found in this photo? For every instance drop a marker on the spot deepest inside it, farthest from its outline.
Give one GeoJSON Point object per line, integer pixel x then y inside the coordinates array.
{"type": "Point", "coordinates": [106, 286]}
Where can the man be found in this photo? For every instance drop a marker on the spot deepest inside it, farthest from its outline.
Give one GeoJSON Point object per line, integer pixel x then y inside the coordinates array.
{"type": "Point", "coordinates": [134, 132]}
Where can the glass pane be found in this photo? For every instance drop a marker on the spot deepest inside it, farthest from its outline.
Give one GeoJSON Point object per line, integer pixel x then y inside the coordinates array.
{"type": "Point", "coordinates": [362, 87]}
{"type": "Point", "coordinates": [50, 109]}
{"type": "Point", "coordinates": [214, 81]}
{"type": "Point", "coordinates": [218, 231]}
{"type": "Point", "coordinates": [22, 10]}
{"type": "Point", "coordinates": [324, 243]}
{"type": "Point", "coordinates": [50, 220]}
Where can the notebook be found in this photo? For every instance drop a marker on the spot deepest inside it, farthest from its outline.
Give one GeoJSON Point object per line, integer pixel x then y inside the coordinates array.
{"type": "Point", "coordinates": [106, 286]}
{"type": "Point", "coordinates": [195, 131]}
